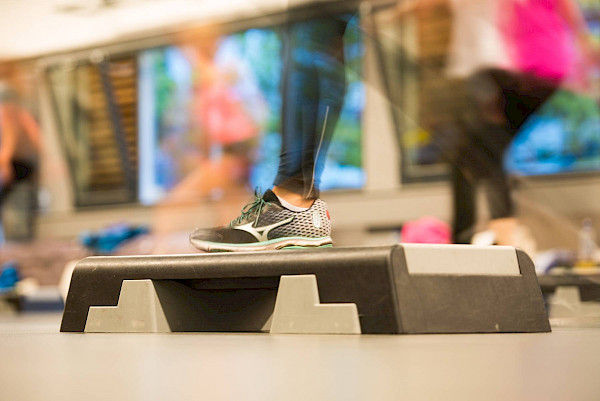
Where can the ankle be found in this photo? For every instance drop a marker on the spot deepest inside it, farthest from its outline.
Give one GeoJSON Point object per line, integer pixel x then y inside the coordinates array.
{"type": "Point", "coordinates": [292, 197]}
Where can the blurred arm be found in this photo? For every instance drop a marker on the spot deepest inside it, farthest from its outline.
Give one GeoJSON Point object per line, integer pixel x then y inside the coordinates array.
{"type": "Point", "coordinates": [8, 141]}
{"type": "Point", "coordinates": [574, 17]}
{"type": "Point", "coordinates": [32, 129]}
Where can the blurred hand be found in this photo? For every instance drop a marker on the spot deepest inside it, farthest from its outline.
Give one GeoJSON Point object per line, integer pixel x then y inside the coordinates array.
{"type": "Point", "coordinates": [406, 7]}
{"type": "Point", "coordinates": [6, 173]}
{"type": "Point", "coordinates": [590, 51]}
{"type": "Point", "coordinates": [595, 56]}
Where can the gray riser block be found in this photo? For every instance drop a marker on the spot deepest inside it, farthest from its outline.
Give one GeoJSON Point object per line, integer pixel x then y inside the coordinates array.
{"type": "Point", "coordinates": [298, 310]}
{"type": "Point", "coordinates": [389, 299]}
{"type": "Point", "coordinates": [169, 306]}
{"type": "Point", "coordinates": [162, 306]}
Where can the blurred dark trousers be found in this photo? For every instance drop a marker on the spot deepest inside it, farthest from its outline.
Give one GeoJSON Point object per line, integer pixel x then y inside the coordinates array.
{"type": "Point", "coordinates": [499, 103]}
{"type": "Point", "coordinates": [313, 90]}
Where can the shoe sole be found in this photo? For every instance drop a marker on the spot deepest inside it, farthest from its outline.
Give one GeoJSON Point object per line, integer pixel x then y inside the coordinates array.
{"type": "Point", "coordinates": [272, 245]}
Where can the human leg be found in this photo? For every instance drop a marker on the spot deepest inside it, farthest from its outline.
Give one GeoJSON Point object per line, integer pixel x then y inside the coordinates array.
{"type": "Point", "coordinates": [313, 88]}
{"type": "Point", "coordinates": [519, 96]}
{"type": "Point", "coordinates": [464, 206]}
{"type": "Point", "coordinates": [24, 175]}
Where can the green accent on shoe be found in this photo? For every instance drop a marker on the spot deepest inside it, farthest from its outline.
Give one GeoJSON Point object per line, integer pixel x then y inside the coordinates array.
{"type": "Point", "coordinates": [308, 246]}
{"type": "Point", "coordinates": [256, 244]}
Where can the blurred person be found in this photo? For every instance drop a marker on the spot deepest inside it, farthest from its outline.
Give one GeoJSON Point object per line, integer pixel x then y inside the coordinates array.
{"type": "Point", "coordinates": [509, 56]}
{"type": "Point", "coordinates": [226, 112]}
{"type": "Point", "coordinates": [544, 41]}
{"type": "Point", "coordinates": [20, 141]}
{"type": "Point", "coordinates": [291, 214]}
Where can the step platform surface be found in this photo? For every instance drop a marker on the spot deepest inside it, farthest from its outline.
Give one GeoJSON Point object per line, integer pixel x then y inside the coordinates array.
{"type": "Point", "coordinates": [370, 290]}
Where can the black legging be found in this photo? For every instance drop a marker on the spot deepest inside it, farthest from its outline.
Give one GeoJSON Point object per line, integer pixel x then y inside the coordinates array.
{"type": "Point", "coordinates": [313, 88]}
{"type": "Point", "coordinates": [513, 98]}
{"type": "Point", "coordinates": [24, 172]}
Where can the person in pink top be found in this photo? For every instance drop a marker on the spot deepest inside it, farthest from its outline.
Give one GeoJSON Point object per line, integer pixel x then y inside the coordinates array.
{"type": "Point", "coordinates": [548, 47]}
{"type": "Point", "coordinates": [509, 56]}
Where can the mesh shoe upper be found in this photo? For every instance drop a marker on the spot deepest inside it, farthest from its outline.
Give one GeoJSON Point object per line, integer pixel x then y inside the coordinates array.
{"type": "Point", "coordinates": [311, 223]}
{"type": "Point", "coordinates": [266, 219]}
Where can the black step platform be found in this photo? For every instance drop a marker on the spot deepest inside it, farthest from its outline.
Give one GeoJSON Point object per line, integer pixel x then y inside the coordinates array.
{"type": "Point", "coordinates": [396, 289]}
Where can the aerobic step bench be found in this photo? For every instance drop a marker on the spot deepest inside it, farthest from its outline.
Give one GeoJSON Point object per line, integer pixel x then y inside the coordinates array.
{"type": "Point", "coordinates": [397, 289]}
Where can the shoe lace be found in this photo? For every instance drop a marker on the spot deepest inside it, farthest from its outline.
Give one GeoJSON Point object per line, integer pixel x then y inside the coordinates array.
{"type": "Point", "coordinates": [251, 208]}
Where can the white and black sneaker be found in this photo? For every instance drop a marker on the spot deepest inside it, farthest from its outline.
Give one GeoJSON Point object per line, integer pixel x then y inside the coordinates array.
{"type": "Point", "coordinates": [265, 224]}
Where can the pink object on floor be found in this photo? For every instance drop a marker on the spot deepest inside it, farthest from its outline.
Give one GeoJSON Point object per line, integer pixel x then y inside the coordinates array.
{"type": "Point", "coordinates": [426, 230]}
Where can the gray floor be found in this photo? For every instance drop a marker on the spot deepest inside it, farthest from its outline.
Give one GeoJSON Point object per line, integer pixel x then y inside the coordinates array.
{"type": "Point", "coordinates": [39, 363]}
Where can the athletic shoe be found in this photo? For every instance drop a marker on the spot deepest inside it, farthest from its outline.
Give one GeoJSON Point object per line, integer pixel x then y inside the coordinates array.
{"type": "Point", "coordinates": [266, 225]}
